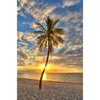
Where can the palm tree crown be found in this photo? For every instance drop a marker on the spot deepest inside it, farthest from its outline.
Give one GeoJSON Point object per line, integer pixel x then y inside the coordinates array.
{"type": "Point", "coordinates": [49, 36]}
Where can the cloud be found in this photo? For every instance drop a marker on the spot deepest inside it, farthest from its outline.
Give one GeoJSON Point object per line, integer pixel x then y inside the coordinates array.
{"type": "Point", "coordinates": [29, 36]}
{"type": "Point", "coordinates": [25, 52]}
{"type": "Point", "coordinates": [20, 4]}
{"type": "Point", "coordinates": [19, 35]}
{"type": "Point", "coordinates": [21, 14]}
{"type": "Point", "coordinates": [21, 58]}
{"type": "Point", "coordinates": [33, 25]}
{"type": "Point", "coordinates": [22, 43]}
{"type": "Point", "coordinates": [72, 21]}
{"type": "Point", "coordinates": [21, 54]}
{"type": "Point", "coordinates": [70, 2]}
{"type": "Point", "coordinates": [35, 8]}
{"type": "Point", "coordinates": [71, 59]}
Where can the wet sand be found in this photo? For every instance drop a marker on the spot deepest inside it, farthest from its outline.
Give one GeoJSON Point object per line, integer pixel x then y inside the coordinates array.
{"type": "Point", "coordinates": [27, 90]}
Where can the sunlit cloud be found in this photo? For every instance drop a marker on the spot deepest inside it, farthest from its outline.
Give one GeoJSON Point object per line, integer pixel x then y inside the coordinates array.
{"type": "Point", "coordinates": [70, 2]}
{"type": "Point", "coordinates": [19, 35]}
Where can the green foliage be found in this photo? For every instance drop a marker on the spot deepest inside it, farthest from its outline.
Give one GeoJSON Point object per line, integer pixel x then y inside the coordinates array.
{"type": "Point", "coordinates": [48, 36]}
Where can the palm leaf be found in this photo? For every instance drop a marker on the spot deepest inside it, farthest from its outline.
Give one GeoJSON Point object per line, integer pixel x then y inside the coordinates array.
{"type": "Point", "coordinates": [55, 43]}
{"type": "Point", "coordinates": [57, 38]}
{"type": "Point", "coordinates": [39, 42]}
{"type": "Point", "coordinates": [41, 26]}
{"type": "Point", "coordinates": [59, 31]}
{"type": "Point", "coordinates": [49, 23]}
{"type": "Point", "coordinates": [56, 22]}
{"type": "Point", "coordinates": [37, 32]}
{"type": "Point", "coordinates": [41, 45]}
{"type": "Point", "coordinates": [41, 37]}
{"type": "Point", "coordinates": [60, 40]}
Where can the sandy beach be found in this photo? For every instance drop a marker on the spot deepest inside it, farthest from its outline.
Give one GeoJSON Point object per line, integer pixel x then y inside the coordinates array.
{"type": "Point", "coordinates": [27, 90]}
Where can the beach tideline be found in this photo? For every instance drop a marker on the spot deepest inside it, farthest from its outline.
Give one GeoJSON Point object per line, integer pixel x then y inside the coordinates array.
{"type": "Point", "coordinates": [27, 90]}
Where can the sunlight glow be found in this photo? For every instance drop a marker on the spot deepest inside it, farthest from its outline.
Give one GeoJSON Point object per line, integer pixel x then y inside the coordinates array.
{"type": "Point", "coordinates": [50, 68]}
{"type": "Point", "coordinates": [43, 67]}
{"type": "Point", "coordinates": [44, 76]}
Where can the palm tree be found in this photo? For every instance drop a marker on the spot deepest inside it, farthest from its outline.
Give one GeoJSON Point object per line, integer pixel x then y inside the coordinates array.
{"type": "Point", "coordinates": [48, 38]}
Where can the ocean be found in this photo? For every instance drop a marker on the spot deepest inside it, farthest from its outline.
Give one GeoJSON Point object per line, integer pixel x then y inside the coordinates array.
{"type": "Point", "coordinates": [61, 77]}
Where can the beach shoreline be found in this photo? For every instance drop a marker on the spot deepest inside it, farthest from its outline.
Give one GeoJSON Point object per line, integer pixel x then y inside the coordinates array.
{"type": "Point", "coordinates": [51, 90]}
{"type": "Point", "coordinates": [52, 81]}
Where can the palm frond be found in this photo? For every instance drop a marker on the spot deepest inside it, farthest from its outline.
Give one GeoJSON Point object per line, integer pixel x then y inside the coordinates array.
{"type": "Point", "coordinates": [59, 31]}
{"type": "Point", "coordinates": [41, 37]}
{"type": "Point", "coordinates": [41, 45]}
{"type": "Point", "coordinates": [49, 23]}
{"type": "Point", "coordinates": [57, 38]}
{"type": "Point", "coordinates": [55, 43]}
{"type": "Point", "coordinates": [56, 22]}
{"type": "Point", "coordinates": [37, 32]}
{"type": "Point", "coordinates": [41, 26]}
{"type": "Point", "coordinates": [39, 42]}
{"type": "Point", "coordinates": [60, 40]}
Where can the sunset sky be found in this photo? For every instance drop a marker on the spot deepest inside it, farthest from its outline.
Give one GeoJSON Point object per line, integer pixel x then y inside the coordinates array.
{"type": "Point", "coordinates": [67, 58]}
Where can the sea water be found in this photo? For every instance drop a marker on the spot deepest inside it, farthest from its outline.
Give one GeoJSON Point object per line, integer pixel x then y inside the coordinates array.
{"type": "Point", "coordinates": [61, 77]}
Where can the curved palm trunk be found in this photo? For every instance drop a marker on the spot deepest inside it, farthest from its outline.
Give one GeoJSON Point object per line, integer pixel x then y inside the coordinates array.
{"type": "Point", "coordinates": [40, 82]}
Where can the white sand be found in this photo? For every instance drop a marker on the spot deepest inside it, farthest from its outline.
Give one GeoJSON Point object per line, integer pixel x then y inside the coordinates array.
{"type": "Point", "coordinates": [27, 90]}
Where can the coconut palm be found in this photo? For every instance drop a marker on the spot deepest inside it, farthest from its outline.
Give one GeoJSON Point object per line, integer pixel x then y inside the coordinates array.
{"type": "Point", "coordinates": [48, 37]}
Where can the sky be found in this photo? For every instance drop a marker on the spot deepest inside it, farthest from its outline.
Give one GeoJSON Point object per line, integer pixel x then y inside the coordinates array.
{"type": "Point", "coordinates": [67, 58]}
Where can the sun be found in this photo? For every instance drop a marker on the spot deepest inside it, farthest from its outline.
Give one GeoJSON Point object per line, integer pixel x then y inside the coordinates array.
{"type": "Point", "coordinates": [48, 67]}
